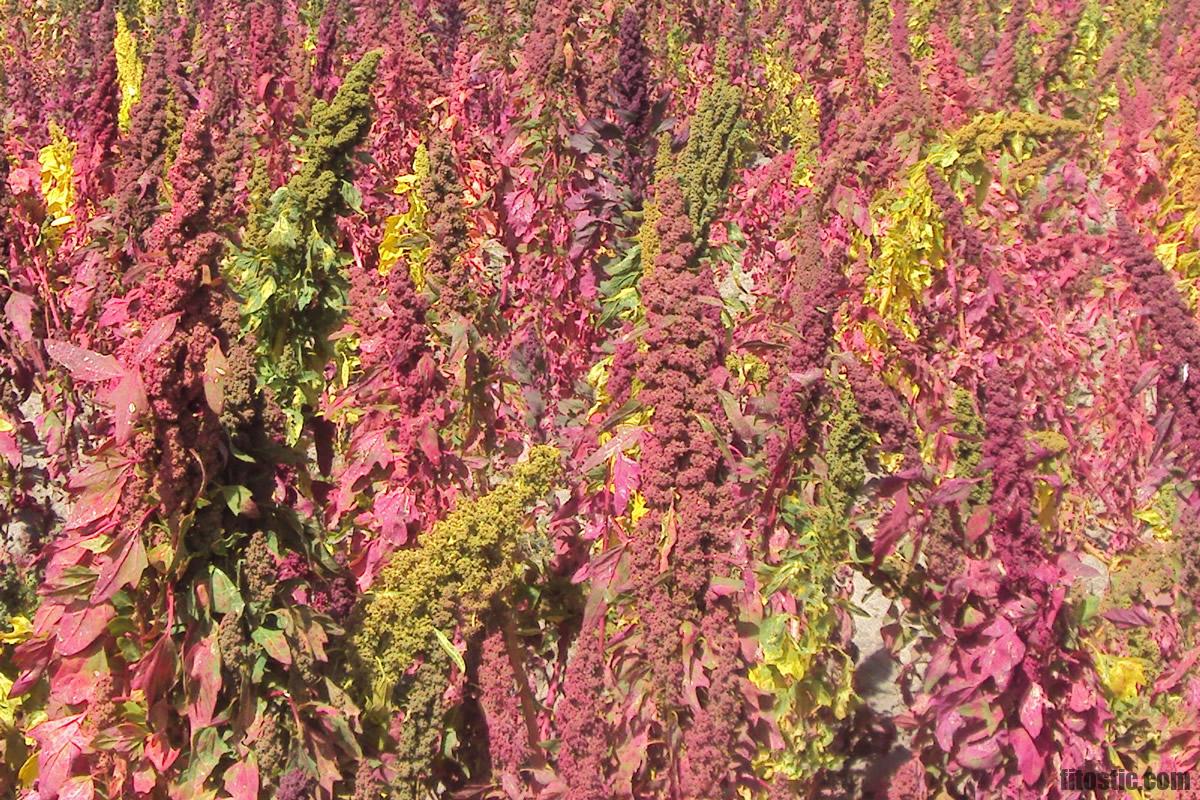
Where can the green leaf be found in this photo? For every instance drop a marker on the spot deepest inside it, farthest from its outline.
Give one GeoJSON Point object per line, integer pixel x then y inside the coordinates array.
{"type": "Point", "coordinates": [283, 233]}
{"type": "Point", "coordinates": [235, 497]}
{"type": "Point", "coordinates": [451, 650]}
{"type": "Point", "coordinates": [226, 597]}
{"type": "Point", "coordinates": [274, 642]}
{"type": "Point", "coordinates": [352, 197]}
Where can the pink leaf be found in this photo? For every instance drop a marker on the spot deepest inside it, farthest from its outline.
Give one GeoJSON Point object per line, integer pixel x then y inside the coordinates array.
{"type": "Point", "coordinates": [204, 673]}
{"type": "Point", "coordinates": [160, 753]}
{"type": "Point", "coordinates": [19, 310]}
{"type": "Point", "coordinates": [80, 788]}
{"type": "Point", "coordinates": [1031, 710]}
{"type": "Point", "coordinates": [84, 365]}
{"type": "Point", "coordinates": [1170, 680]}
{"type": "Point", "coordinates": [241, 780]}
{"type": "Point", "coordinates": [892, 528]}
{"type": "Point", "coordinates": [947, 726]}
{"type": "Point", "coordinates": [1135, 617]}
{"type": "Point", "coordinates": [430, 445]}
{"type": "Point", "coordinates": [393, 512]}
{"type": "Point", "coordinates": [977, 525]}
{"type": "Point", "coordinates": [10, 449]}
{"type": "Point", "coordinates": [159, 331]}
{"type": "Point", "coordinates": [1000, 657]}
{"type": "Point", "coordinates": [954, 490]}
{"type": "Point", "coordinates": [96, 505]}
{"type": "Point", "coordinates": [625, 480]}
{"type": "Point", "coordinates": [981, 755]}
{"type": "Point", "coordinates": [60, 741]}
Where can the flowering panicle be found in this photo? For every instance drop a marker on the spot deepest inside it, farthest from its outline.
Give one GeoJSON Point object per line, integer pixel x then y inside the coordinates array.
{"type": "Point", "coordinates": [542, 58]}
{"type": "Point", "coordinates": [1004, 65]}
{"type": "Point", "coordinates": [882, 411]}
{"type": "Point", "coordinates": [1175, 330]}
{"type": "Point", "coordinates": [1017, 538]}
{"type": "Point", "coordinates": [446, 24]}
{"type": "Point", "coordinates": [331, 465]}
{"type": "Point", "coordinates": [507, 734]}
{"type": "Point", "coordinates": [631, 89]}
{"type": "Point", "coordinates": [324, 69]}
{"type": "Point", "coordinates": [144, 150]}
{"type": "Point", "coordinates": [463, 561]}
{"type": "Point", "coordinates": [707, 162]}
{"type": "Point", "coordinates": [813, 301]}
{"type": "Point", "coordinates": [682, 477]}
{"type": "Point", "coordinates": [583, 750]}
{"type": "Point", "coordinates": [442, 191]}
{"type": "Point", "coordinates": [96, 128]}
{"type": "Point", "coordinates": [423, 593]}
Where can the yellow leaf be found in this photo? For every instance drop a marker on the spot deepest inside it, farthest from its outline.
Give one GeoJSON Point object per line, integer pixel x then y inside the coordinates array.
{"type": "Point", "coordinates": [1121, 676]}
{"type": "Point", "coordinates": [29, 771]}
{"type": "Point", "coordinates": [637, 508]}
{"type": "Point", "coordinates": [21, 628]}
{"type": "Point", "coordinates": [129, 70]}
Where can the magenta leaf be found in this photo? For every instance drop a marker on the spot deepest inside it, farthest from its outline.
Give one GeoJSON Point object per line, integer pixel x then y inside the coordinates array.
{"type": "Point", "coordinates": [1030, 760]}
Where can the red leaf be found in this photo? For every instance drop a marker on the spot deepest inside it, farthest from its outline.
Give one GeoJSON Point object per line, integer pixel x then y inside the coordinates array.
{"type": "Point", "coordinates": [84, 365]}
{"type": "Point", "coordinates": [124, 567]}
{"type": "Point", "coordinates": [241, 780]}
{"type": "Point", "coordinates": [156, 671]}
{"type": "Point", "coordinates": [81, 625]}
{"type": "Point", "coordinates": [204, 672]}
{"type": "Point", "coordinates": [59, 742]}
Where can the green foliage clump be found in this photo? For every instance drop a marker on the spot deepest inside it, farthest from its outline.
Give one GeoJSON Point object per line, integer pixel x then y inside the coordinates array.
{"type": "Point", "coordinates": [802, 663]}
{"type": "Point", "coordinates": [290, 276]}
